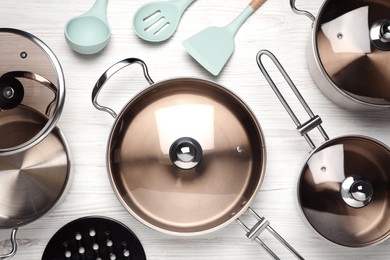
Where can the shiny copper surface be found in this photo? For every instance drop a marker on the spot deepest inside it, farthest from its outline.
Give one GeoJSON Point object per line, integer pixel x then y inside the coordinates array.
{"type": "Point", "coordinates": [186, 201]}
{"type": "Point", "coordinates": [33, 180]}
{"type": "Point", "coordinates": [321, 200]}
{"type": "Point", "coordinates": [346, 52]}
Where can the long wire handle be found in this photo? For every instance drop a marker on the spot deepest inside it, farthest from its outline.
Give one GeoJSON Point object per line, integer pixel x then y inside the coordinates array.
{"type": "Point", "coordinates": [315, 121]}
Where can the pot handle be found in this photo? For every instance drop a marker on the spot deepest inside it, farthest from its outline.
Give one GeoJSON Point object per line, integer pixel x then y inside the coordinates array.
{"type": "Point", "coordinates": [14, 246]}
{"type": "Point", "coordinates": [261, 225]}
{"type": "Point", "coordinates": [301, 12]}
{"type": "Point", "coordinates": [110, 72]}
{"type": "Point", "coordinates": [314, 121]}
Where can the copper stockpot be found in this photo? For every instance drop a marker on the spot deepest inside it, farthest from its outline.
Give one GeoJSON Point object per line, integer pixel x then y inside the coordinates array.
{"type": "Point", "coordinates": [349, 56]}
{"type": "Point", "coordinates": [186, 156]}
{"type": "Point", "coordinates": [344, 186]}
{"type": "Point", "coordinates": [34, 156]}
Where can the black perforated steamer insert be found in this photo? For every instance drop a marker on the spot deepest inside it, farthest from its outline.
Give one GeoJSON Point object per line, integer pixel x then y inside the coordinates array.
{"type": "Point", "coordinates": [97, 238]}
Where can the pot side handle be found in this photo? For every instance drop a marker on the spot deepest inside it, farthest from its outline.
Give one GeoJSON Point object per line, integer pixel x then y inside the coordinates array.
{"type": "Point", "coordinates": [261, 225]}
{"type": "Point", "coordinates": [110, 72]}
{"type": "Point", "coordinates": [301, 12]}
{"type": "Point", "coordinates": [13, 244]}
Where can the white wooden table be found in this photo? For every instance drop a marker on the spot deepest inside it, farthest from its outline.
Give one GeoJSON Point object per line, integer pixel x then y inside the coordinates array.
{"type": "Point", "coordinates": [275, 27]}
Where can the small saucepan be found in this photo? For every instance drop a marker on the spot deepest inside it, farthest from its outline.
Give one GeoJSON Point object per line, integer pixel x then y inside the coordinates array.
{"type": "Point", "coordinates": [186, 156]}
{"type": "Point", "coordinates": [343, 189]}
{"type": "Point", "coordinates": [350, 52]}
{"type": "Point", "coordinates": [34, 156]}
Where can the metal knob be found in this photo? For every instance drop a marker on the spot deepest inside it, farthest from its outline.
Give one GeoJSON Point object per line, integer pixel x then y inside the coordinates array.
{"type": "Point", "coordinates": [11, 93]}
{"type": "Point", "coordinates": [185, 153]}
{"type": "Point", "coordinates": [356, 191]}
{"type": "Point", "coordinates": [385, 31]}
{"type": "Point", "coordinates": [380, 34]}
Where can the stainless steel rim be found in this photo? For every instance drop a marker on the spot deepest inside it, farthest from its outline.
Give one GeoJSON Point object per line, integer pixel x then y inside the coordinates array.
{"type": "Point", "coordinates": [57, 109]}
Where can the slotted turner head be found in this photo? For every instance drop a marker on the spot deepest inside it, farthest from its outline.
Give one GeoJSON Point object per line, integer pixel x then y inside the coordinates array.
{"type": "Point", "coordinates": [158, 21]}
{"type": "Point", "coordinates": [96, 238]}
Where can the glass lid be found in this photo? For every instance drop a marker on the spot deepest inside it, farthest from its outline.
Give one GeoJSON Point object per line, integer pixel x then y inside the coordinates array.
{"type": "Point", "coordinates": [344, 191]}
{"type": "Point", "coordinates": [353, 45]}
{"type": "Point", "coordinates": [186, 156]}
{"type": "Point", "coordinates": [30, 79]}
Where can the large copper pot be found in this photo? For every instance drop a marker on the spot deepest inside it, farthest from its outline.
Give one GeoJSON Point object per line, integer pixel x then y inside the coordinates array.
{"type": "Point", "coordinates": [186, 156]}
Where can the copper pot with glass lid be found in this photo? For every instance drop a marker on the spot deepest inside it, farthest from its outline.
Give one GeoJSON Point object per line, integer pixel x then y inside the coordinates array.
{"type": "Point", "coordinates": [343, 188]}
{"type": "Point", "coordinates": [350, 52]}
{"type": "Point", "coordinates": [186, 156]}
{"type": "Point", "coordinates": [34, 156]}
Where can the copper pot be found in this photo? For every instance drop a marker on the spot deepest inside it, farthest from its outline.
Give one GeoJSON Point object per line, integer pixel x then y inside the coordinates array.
{"type": "Point", "coordinates": [34, 156]}
{"type": "Point", "coordinates": [349, 57]}
{"type": "Point", "coordinates": [185, 156]}
{"type": "Point", "coordinates": [343, 188]}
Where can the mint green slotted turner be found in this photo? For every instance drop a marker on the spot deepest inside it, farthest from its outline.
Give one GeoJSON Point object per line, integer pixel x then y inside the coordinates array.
{"type": "Point", "coordinates": [157, 21]}
{"type": "Point", "coordinates": [213, 46]}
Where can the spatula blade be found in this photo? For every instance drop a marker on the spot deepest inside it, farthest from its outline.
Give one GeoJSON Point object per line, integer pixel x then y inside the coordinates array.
{"type": "Point", "coordinates": [211, 48]}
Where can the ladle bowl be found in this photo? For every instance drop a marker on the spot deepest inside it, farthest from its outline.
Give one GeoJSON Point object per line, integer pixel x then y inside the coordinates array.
{"type": "Point", "coordinates": [90, 32]}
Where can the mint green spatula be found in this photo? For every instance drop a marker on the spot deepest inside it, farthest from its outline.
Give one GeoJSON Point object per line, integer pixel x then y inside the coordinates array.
{"type": "Point", "coordinates": [157, 21]}
{"type": "Point", "coordinates": [213, 46]}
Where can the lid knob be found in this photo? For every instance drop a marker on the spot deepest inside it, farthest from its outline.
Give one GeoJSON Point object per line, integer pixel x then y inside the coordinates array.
{"type": "Point", "coordinates": [11, 93]}
{"type": "Point", "coordinates": [380, 34]}
{"type": "Point", "coordinates": [185, 153]}
{"type": "Point", "coordinates": [385, 31]}
{"type": "Point", "coordinates": [361, 190]}
{"type": "Point", "coordinates": [356, 191]}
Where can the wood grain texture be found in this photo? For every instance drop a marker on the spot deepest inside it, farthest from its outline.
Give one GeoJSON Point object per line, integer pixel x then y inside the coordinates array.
{"type": "Point", "coordinates": [275, 27]}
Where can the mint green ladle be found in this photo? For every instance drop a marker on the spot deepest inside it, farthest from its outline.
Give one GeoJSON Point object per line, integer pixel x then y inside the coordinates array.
{"type": "Point", "coordinates": [90, 32]}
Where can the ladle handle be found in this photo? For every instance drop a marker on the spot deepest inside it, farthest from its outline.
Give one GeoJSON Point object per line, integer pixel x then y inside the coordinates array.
{"type": "Point", "coordinates": [13, 244]}
{"type": "Point", "coordinates": [301, 12]}
{"type": "Point", "coordinates": [110, 72]}
{"type": "Point", "coordinates": [261, 225]}
{"type": "Point", "coordinates": [314, 121]}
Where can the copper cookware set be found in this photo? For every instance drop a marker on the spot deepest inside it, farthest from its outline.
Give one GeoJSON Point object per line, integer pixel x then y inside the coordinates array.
{"type": "Point", "coordinates": [187, 156]}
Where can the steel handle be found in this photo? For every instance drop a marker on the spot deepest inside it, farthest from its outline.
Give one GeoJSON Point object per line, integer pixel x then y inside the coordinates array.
{"type": "Point", "coordinates": [13, 244]}
{"type": "Point", "coordinates": [110, 72]}
{"type": "Point", "coordinates": [301, 12]}
{"type": "Point", "coordinates": [261, 225]}
{"type": "Point", "coordinates": [314, 121]}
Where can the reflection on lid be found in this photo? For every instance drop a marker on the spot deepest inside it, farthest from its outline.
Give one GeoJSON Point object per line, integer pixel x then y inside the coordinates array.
{"type": "Point", "coordinates": [327, 165]}
{"type": "Point", "coordinates": [187, 120]}
{"type": "Point", "coordinates": [349, 32]}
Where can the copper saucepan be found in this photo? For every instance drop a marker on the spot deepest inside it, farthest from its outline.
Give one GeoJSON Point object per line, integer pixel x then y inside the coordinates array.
{"type": "Point", "coordinates": [34, 156]}
{"type": "Point", "coordinates": [349, 57]}
{"type": "Point", "coordinates": [343, 189]}
{"type": "Point", "coordinates": [186, 156]}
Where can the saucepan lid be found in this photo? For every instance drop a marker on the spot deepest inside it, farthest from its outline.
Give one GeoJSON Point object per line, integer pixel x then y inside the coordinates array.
{"type": "Point", "coordinates": [344, 191]}
{"type": "Point", "coordinates": [186, 156]}
{"type": "Point", "coordinates": [31, 78]}
{"type": "Point", "coordinates": [352, 41]}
